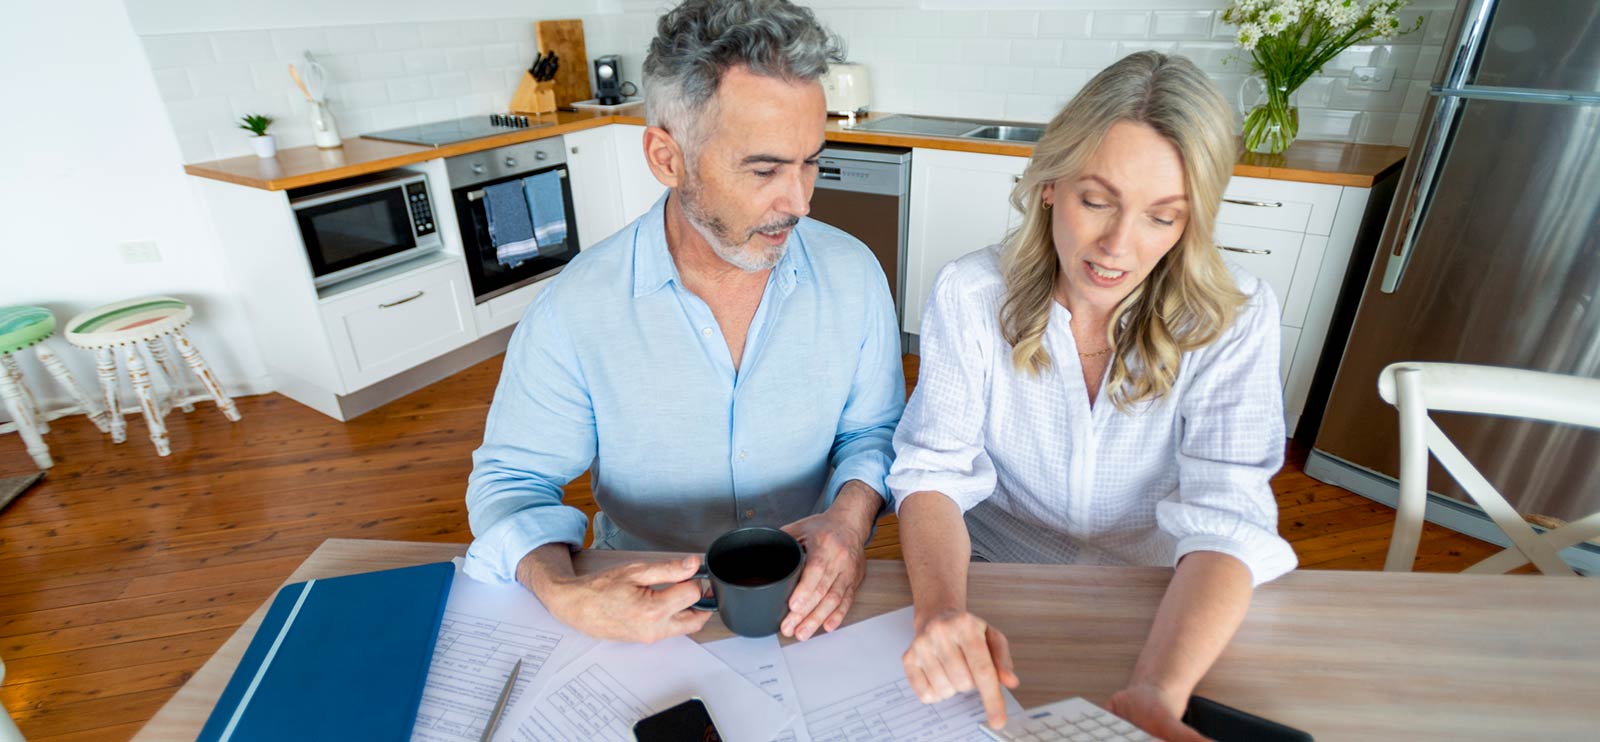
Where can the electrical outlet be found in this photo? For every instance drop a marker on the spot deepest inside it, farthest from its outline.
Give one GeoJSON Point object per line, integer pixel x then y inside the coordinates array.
{"type": "Point", "coordinates": [140, 252]}
{"type": "Point", "coordinates": [1371, 78]}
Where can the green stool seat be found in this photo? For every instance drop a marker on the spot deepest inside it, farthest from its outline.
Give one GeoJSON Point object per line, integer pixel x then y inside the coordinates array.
{"type": "Point", "coordinates": [21, 327]}
{"type": "Point", "coordinates": [131, 321]}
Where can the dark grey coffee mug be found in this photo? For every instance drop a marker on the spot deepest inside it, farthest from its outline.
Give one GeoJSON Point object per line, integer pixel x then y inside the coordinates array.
{"type": "Point", "coordinates": [752, 572]}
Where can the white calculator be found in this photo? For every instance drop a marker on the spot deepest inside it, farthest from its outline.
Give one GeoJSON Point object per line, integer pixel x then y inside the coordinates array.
{"type": "Point", "coordinates": [1073, 719]}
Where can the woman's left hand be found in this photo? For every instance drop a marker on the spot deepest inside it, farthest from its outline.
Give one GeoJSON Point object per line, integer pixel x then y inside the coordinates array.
{"type": "Point", "coordinates": [1155, 711]}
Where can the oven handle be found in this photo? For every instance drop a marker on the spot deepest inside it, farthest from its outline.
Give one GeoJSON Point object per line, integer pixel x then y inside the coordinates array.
{"type": "Point", "coordinates": [478, 194]}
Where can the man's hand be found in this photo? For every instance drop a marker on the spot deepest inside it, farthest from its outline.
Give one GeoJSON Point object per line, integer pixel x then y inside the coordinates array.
{"type": "Point", "coordinates": [835, 543]}
{"type": "Point", "coordinates": [619, 604]}
{"type": "Point", "coordinates": [1157, 712]}
{"type": "Point", "coordinates": [956, 652]}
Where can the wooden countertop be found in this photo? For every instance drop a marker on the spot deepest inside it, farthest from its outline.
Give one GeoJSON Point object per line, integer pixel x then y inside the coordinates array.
{"type": "Point", "coordinates": [1342, 655]}
{"type": "Point", "coordinates": [1331, 163]}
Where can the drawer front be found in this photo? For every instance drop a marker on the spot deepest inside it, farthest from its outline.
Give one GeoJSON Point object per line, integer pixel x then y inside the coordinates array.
{"type": "Point", "coordinates": [395, 326]}
{"type": "Point", "coordinates": [1277, 204]}
{"type": "Point", "coordinates": [1267, 254]}
{"type": "Point", "coordinates": [1291, 341]}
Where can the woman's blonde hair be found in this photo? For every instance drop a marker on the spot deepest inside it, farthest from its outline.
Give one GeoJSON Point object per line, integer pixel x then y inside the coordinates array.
{"type": "Point", "coordinates": [1189, 298]}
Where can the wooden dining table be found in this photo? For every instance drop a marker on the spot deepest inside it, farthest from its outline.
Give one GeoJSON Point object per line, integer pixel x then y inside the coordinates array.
{"type": "Point", "coordinates": [1341, 655]}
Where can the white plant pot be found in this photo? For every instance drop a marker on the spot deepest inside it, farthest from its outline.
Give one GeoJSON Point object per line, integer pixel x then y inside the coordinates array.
{"type": "Point", "coordinates": [264, 145]}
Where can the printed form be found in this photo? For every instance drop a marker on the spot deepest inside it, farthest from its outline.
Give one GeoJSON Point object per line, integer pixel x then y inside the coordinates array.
{"type": "Point", "coordinates": [599, 696]}
{"type": "Point", "coordinates": [852, 688]}
{"type": "Point", "coordinates": [485, 630]}
{"type": "Point", "coordinates": [761, 661]}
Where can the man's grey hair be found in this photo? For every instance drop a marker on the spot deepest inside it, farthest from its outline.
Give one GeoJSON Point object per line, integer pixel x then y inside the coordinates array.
{"type": "Point", "coordinates": [700, 40]}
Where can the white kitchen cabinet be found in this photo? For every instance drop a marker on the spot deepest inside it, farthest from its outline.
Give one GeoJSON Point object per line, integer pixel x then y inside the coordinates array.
{"type": "Point", "coordinates": [960, 202]}
{"type": "Point", "coordinates": [639, 188]}
{"type": "Point", "coordinates": [392, 325]}
{"type": "Point", "coordinates": [596, 183]}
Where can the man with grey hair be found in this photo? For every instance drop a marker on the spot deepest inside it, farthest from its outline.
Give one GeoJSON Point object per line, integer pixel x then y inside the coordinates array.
{"type": "Point", "coordinates": [721, 362]}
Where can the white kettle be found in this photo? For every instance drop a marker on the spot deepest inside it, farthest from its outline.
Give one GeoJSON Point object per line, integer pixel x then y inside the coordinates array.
{"type": "Point", "coordinates": [847, 88]}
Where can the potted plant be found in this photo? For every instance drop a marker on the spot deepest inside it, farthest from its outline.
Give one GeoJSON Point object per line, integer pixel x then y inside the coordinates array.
{"type": "Point", "coordinates": [1288, 42]}
{"type": "Point", "coordinates": [255, 123]}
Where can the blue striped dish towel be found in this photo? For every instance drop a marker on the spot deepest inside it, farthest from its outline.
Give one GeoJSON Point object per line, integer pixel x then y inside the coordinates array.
{"type": "Point", "coordinates": [548, 208]}
{"type": "Point", "coordinates": [510, 224]}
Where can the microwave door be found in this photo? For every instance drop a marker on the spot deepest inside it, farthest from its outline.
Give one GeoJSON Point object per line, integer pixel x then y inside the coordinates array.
{"type": "Point", "coordinates": [347, 233]}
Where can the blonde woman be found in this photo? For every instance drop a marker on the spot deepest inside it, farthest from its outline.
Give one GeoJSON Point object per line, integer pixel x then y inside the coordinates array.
{"type": "Point", "coordinates": [1100, 389]}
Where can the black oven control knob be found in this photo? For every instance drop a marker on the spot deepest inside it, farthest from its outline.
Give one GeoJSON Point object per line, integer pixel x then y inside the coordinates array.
{"type": "Point", "coordinates": [477, 168]}
{"type": "Point", "coordinates": [541, 155]}
{"type": "Point", "coordinates": [511, 162]}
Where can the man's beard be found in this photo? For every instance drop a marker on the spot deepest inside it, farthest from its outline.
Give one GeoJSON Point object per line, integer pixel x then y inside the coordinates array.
{"type": "Point", "coordinates": [750, 259]}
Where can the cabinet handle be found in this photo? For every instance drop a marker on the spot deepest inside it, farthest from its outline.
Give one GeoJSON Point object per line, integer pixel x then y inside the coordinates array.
{"type": "Point", "coordinates": [1244, 250]}
{"type": "Point", "coordinates": [1265, 204]}
{"type": "Point", "coordinates": [574, 150]}
{"type": "Point", "coordinates": [398, 302]}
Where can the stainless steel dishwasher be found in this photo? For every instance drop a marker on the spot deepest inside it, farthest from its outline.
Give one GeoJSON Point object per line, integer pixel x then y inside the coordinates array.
{"type": "Point", "coordinates": [866, 191]}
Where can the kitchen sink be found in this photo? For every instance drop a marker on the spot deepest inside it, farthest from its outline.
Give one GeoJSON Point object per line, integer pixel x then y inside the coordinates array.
{"type": "Point", "coordinates": [961, 128]}
{"type": "Point", "coordinates": [1007, 133]}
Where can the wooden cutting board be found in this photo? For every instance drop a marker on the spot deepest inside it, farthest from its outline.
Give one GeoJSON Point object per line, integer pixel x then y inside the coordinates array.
{"type": "Point", "coordinates": [565, 38]}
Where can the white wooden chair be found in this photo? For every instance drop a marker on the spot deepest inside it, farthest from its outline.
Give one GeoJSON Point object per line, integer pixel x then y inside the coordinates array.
{"type": "Point", "coordinates": [8, 728]}
{"type": "Point", "coordinates": [1417, 388]}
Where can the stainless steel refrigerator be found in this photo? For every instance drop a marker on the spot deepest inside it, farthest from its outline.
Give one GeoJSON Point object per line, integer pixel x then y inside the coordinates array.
{"type": "Point", "coordinates": [1490, 255]}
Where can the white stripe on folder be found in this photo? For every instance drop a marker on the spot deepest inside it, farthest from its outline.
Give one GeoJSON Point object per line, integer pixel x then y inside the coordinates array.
{"type": "Point", "coordinates": [261, 672]}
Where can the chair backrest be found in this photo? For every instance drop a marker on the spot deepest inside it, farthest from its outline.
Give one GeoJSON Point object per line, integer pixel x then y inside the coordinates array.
{"type": "Point", "coordinates": [1415, 389]}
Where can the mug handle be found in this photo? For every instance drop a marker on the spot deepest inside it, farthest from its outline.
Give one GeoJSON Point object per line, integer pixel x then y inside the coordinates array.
{"type": "Point", "coordinates": [706, 603]}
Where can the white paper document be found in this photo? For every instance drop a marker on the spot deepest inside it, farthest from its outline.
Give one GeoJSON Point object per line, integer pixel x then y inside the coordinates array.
{"type": "Point", "coordinates": [485, 630]}
{"type": "Point", "coordinates": [598, 696]}
{"type": "Point", "coordinates": [853, 688]}
{"type": "Point", "coordinates": [761, 662]}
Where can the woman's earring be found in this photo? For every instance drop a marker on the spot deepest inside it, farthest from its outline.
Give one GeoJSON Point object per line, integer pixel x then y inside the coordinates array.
{"type": "Point", "coordinates": [1046, 204]}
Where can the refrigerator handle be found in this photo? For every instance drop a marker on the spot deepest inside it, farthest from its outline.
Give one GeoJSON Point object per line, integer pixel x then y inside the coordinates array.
{"type": "Point", "coordinates": [1413, 208]}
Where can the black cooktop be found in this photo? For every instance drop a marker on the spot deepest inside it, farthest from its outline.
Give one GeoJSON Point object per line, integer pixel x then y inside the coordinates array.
{"type": "Point", "coordinates": [457, 130]}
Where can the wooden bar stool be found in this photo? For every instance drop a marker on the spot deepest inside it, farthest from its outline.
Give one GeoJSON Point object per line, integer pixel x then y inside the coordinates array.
{"type": "Point", "coordinates": [147, 322]}
{"type": "Point", "coordinates": [21, 328]}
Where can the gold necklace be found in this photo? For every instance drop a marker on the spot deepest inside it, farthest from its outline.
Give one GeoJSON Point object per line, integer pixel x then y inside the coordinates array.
{"type": "Point", "coordinates": [1097, 353]}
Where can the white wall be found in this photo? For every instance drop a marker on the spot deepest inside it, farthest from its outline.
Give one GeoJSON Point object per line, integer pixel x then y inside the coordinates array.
{"type": "Point", "coordinates": [1023, 59]}
{"type": "Point", "coordinates": [184, 16]}
{"type": "Point", "coordinates": [89, 162]}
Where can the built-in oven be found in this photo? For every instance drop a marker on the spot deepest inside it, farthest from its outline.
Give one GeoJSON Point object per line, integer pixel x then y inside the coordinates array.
{"type": "Point", "coordinates": [361, 225]}
{"type": "Point", "coordinates": [514, 206]}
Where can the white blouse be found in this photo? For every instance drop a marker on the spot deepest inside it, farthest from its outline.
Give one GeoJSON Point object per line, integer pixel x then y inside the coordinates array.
{"type": "Point", "coordinates": [1043, 477]}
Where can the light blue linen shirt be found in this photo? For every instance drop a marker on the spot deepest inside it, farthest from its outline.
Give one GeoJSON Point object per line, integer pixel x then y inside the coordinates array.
{"type": "Point", "coordinates": [617, 366]}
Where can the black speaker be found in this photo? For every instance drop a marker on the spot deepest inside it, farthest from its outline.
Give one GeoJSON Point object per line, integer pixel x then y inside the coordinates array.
{"type": "Point", "coordinates": [608, 80]}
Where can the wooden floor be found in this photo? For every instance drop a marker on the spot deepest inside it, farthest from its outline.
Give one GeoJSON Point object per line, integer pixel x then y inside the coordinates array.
{"type": "Point", "coordinates": [121, 572]}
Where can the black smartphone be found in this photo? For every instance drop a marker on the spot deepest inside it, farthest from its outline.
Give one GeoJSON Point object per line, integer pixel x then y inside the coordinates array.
{"type": "Point", "coordinates": [689, 721]}
{"type": "Point", "coordinates": [1228, 724]}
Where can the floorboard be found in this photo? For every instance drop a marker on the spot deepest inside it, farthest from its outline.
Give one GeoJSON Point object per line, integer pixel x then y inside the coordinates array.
{"type": "Point", "coordinates": [121, 571]}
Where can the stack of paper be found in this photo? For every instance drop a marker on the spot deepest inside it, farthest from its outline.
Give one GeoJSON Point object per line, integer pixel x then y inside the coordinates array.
{"type": "Point", "coordinates": [847, 686]}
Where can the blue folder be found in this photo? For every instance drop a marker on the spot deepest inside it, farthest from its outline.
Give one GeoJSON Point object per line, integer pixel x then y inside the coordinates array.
{"type": "Point", "coordinates": [343, 658]}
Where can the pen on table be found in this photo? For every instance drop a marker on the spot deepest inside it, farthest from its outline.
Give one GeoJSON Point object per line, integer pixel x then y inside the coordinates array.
{"type": "Point", "coordinates": [500, 705]}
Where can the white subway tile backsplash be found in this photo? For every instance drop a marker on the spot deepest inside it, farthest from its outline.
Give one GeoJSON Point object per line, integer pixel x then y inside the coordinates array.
{"type": "Point", "coordinates": [1036, 108]}
{"type": "Point", "coordinates": [1404, 129]}
{"type": "Point", "coordinates": [970, 101]}
{"type": "Point", "coordinates": [409, 90]}
{"type": "Point", "coordinates": [1124, 48]}
{"type": "Point", "coordinates": [916, 25]}
{"type": "Point", "coordinates": [178, 50]}
{"type": "Point", "coordinates": [1392, 100]}
{"type": "Point", "coordinates": [439, 35]}
{"type": "Point", "coordinates": [195, 146]}
{"type": "Point", "coordinates": [933, 51]}
{"type": "Point", "coordinates": [1438, 26]}
{"type": "Point", "coordinates": [222, 79]}
{"type": "Point", "coordinates": [1036, 52]}
{"type": "Point", "coordinates": [272, 77]}
{"type": "Point", "coordinates": [399, 36]}
{"type": "Point", "coordinates": [200, 114]}
{"type": "Point", "coordinates": [436, 109]}
{"type": "Point", "coordinates": [381, 65]}
{"type": "Point", "coordinates": [487, 80]}
{"type": "Point", "coordinates": [478, 32]}
{"type": "Point", "coordinates": [243, 46]}
{"type": "Point", "coordinates": [338, 66]}
{"type": "Point", "coordinates": [173, 84]}
{"type": "Point", "coordinates": [362, 94]}
{"type": "Point", "coordinates": [1181, 24]}
{"type": "Point", "coordinates": [476, 104]}
{"type": "Point", "coordinates": [352, 39]}
{"type": "Point", "coordinates": [1416, 96]}
{"type": "Point", "coordinates": [1213, 56]}
{"type": "Point", "coordinates": [1377, 128]}
{"type": "Point", "coordinates": [897, 50]}
{"type": "Point", "coordinates": [1066, 24]}
{"type": "Point", "coordinates": [1326, 123]}
{"type": "Point", "coordinates": [985, 51]}
{"type": "Point", "coordinates": [961, 77]}
{"type": "Point", "coordinates": [1427, 63]}
{"type": "Point", "coordinates": [425, 62]}
{"type": "Point", "coordinates": [457, 60]}
{"type": "Point", "coordinates": [1009, 79]}
{"type": "Point", "coordinates": [1408, 19]}
{"type": "Point", "coordinates": [1221, 29]}
{"type": "Point", "coordinates": [1060, 84]}
{"type": "Point", "coordinates": [1020, 24]}
{"type": "Point", "coordinates": [1314, 93]}
{"type": "Point", "coordinates": [500, 55]}
{"type": "Point", "coordinates": [963, 23]}
{"type": "Point", "coordinates": [451, 85]}
{"type": "Point", "coordinates": [394, 116]}
{"type": "Point", "coordinates": [1090, 54]}
{"type": "Point", "coordinates": [520, 32]}
{"type": "Point", "coordinates": [1120, 24]}
{"type": "Point", "coordinates": [274, 105]}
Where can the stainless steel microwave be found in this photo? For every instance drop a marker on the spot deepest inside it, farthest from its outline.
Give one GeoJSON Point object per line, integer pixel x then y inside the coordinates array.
{"type": "Point", "coordinates": [356, 228]}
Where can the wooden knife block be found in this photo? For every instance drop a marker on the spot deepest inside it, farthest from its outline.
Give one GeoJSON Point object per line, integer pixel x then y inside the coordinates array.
{"type": "Point", "coordinates": [534, 98]}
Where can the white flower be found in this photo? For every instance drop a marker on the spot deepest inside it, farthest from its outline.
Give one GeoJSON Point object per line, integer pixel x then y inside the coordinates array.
{"type": "Point", "coordinates": [1249, 36]}
{"type": "Point", "coordinates": [1280, 16]}
{"type": "Point", "coordinates": [1384, 25]}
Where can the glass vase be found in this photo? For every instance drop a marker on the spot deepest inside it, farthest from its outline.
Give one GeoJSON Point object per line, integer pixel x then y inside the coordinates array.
{"type": "Point", "coordinates": [1272, 120]}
